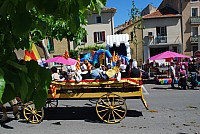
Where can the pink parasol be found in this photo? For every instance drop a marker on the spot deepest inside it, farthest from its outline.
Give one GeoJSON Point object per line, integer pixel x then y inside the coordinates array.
{"type": "Point", "coordinates": [168, 55]}
{"type": "Point", "coordinates": [62, 60]}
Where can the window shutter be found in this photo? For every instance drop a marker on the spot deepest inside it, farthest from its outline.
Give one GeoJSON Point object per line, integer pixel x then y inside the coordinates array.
{"type": "Point", "coordinates": [95, 37]}
{"type": "Point", "coordinates": [103, 36]}
{"type": "Point", "coordinates": [85, 38]}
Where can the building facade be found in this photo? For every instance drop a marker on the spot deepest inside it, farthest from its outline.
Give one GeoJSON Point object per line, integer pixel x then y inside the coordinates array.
{"type": "Point", "coordinates": [98, 27]}
{"type": "Point", "coordinates": [136, 50]}
{"type": "Point", "coordinates": [191, 26]}
{"type": "Point", "coordinates": [190, 11]}
{"type": "Point", "coordinates": [162, 32]}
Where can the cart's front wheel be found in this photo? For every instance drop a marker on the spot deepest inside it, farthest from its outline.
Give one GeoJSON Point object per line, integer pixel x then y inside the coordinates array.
{"type": "Point", "coordinates": [111, 108]}
{"type": "Point", "coordinates": [31, 114]}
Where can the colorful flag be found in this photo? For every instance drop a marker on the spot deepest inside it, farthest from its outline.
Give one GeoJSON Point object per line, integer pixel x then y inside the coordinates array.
{"type": "Point", "coordinates": [53, 91]}
{"type": "Point", "coordinates": [113, 57]}
{"type": "Point", "coordinates": [66, 55]}
{"type": "Point", "coordinates": [89, 65]}
{"type": "Point", "coordinates": [31, 55]}
{"type": "Point", "coordinates": [78, 64]}
{"type": "Point", "coordinates": [116, 57]}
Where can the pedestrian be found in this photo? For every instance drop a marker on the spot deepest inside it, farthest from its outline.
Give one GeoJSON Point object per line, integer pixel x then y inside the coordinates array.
{"type": "Point", "coordinates": [173, 74]}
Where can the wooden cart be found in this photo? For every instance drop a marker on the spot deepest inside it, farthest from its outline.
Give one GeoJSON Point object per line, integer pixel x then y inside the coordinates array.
{"type": "Point", "coordinates": [110, 106]}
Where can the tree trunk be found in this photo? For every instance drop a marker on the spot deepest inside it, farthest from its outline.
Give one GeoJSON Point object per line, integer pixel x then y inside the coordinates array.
{"type": "Point", "coordinates": [68, 44]}
{"type": "Point", "coordinates": [45, 49]}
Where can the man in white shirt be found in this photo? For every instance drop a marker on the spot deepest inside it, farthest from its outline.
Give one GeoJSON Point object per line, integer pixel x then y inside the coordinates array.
{"type": "Point", "coordinates": [134, 64]}
{"type": "Point", "coordinates": [173, 74]}
{"type": "Point", "coordinates": [74, 74]}
{"type": "Point", "coordinates": [54, 74]}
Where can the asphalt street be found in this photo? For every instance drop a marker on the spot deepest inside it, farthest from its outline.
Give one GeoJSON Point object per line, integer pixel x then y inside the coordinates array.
{"type": "Point", "coordinates": [171, 111]}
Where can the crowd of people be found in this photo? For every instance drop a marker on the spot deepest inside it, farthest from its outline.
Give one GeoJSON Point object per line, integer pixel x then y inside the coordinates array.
{"type": "Point", "coordinates": [184, 72]}
{"type": "Point", "coordinates": [97, 71]}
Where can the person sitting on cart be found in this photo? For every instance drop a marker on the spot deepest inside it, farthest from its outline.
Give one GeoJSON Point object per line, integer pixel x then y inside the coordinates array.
{"type": "Point", "coordinates": [55, 75]}
{"type": "Point", "coordinates": [115, 71]}
{"type": "Point", "coordinates": [84, 71]}
{"type": "Point", "coordinates": [123, 71]}
{"type": "Point", "coordinates": [96, 72]}
{"type": "Point", "coordinates": [74, 74]}
{"type": "Point", "coordinates": [129, 68]}
{"type": "Point", "coordinates": [135, 72]}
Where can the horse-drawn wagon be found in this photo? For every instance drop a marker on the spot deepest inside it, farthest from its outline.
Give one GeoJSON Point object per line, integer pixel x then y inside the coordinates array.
{"type": "Point", "coordinates": [110, 94]}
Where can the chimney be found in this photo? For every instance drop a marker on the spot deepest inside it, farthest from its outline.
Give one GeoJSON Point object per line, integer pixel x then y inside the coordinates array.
{"type": "Point", "coordinates": [126, 23]}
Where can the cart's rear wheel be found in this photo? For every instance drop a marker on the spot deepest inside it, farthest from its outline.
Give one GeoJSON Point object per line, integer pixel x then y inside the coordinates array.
{"type": "Point", "coordinates": [111, 108]}
{"type": "Point", "coordinates": [31, 114]}
{"type": "Point", "coordinates": [51, 104]}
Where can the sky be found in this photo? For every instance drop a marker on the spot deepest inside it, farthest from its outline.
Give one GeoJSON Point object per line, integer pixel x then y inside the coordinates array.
{"type": "Point", "coordinates": [124, 6]}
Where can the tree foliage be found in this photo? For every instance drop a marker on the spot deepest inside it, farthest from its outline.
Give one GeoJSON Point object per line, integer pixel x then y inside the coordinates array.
{"type": "Point", "coordinates": [135, 16]}
{"type": "Point", "coordinates": [23, 22]}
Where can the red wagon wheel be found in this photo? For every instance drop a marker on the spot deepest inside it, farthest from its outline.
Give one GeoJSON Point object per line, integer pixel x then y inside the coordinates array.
{"type": "Point", "coordinates": [111, 108]}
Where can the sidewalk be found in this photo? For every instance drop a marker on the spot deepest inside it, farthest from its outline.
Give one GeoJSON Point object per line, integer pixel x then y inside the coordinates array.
{"type": "Point", "coordinates": [153, 85]}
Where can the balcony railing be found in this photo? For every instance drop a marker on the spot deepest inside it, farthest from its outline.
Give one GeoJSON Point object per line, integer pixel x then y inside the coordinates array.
{"type": "Point", "coordinates": [161, 39]}
{"type": "Point", "coordinates": [195, 20]}
{"type": "Point", "coordinates": [194, 39]}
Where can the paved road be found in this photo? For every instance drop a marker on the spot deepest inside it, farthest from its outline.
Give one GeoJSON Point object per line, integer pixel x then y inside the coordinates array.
{"type": "Point", "coordinates": [171, 111]}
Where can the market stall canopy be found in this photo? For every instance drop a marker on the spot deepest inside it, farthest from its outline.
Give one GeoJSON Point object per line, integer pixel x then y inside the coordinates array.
{"type": "Point", "coordinates": [62, 60]}
{"type": "Point", "coordinates": [168, 55]}
{"type": "Point", "coordinates": [117, 39]}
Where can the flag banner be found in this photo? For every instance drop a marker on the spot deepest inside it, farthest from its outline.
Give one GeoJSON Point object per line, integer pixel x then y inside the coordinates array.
{"type": "Point", "coordinates": [66, 55]}
{"type": "Point", "coordinates": [78, 64]}
{"type": "Point", "coordinates": [32, 54]}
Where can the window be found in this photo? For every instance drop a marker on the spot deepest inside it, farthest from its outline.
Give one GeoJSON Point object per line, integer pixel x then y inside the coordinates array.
{"type": "Point", "coordinates": [98, 19]}
{"type": "Point", "coordinates": [50, 45]}
{"type": "Point", "coordinates": [99, 37]}
{"type": "Point", "coordinates": [175, 49]}
{"type": "Point", "coordinates": [161, 31]}
{"type": "Point", "coordinates": [161, 34]}
{"type": "Point", "coordinates": [194, 11]}
{"type": "Point", "coordinates": [194, 31]}
{"type": "Point", "coordinates": [194, 0]}
{"type": "Point", "coordinates": [194, 49]}
{"type": "Point", "coordinates": [55, 63]}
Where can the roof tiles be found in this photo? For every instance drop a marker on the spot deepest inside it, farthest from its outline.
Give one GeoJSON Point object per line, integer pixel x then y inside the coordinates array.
{"type": "Point", "coordinates": [164, 12]}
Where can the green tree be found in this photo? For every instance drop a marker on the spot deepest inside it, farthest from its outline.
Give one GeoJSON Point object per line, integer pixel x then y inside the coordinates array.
{"type": "Point", "coordinates": [135, 16]}
{"type": "Point", "coordinates": [23, 22]}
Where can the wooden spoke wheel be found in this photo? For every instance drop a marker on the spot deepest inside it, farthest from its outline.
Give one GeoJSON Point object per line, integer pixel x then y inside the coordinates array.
{"type": "Point", "coordinates": [51, 104]}
{"type": "Point", "coordinates": [31, 114]}
{"type": "Point", "coordinates": [111, 108]}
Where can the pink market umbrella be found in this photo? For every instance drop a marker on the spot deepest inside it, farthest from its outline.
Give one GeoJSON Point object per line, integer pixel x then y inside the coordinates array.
{"type": "Point", "coordinates": [168, 55]}
{"type": "Point", "coordinates": [62, 60]}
